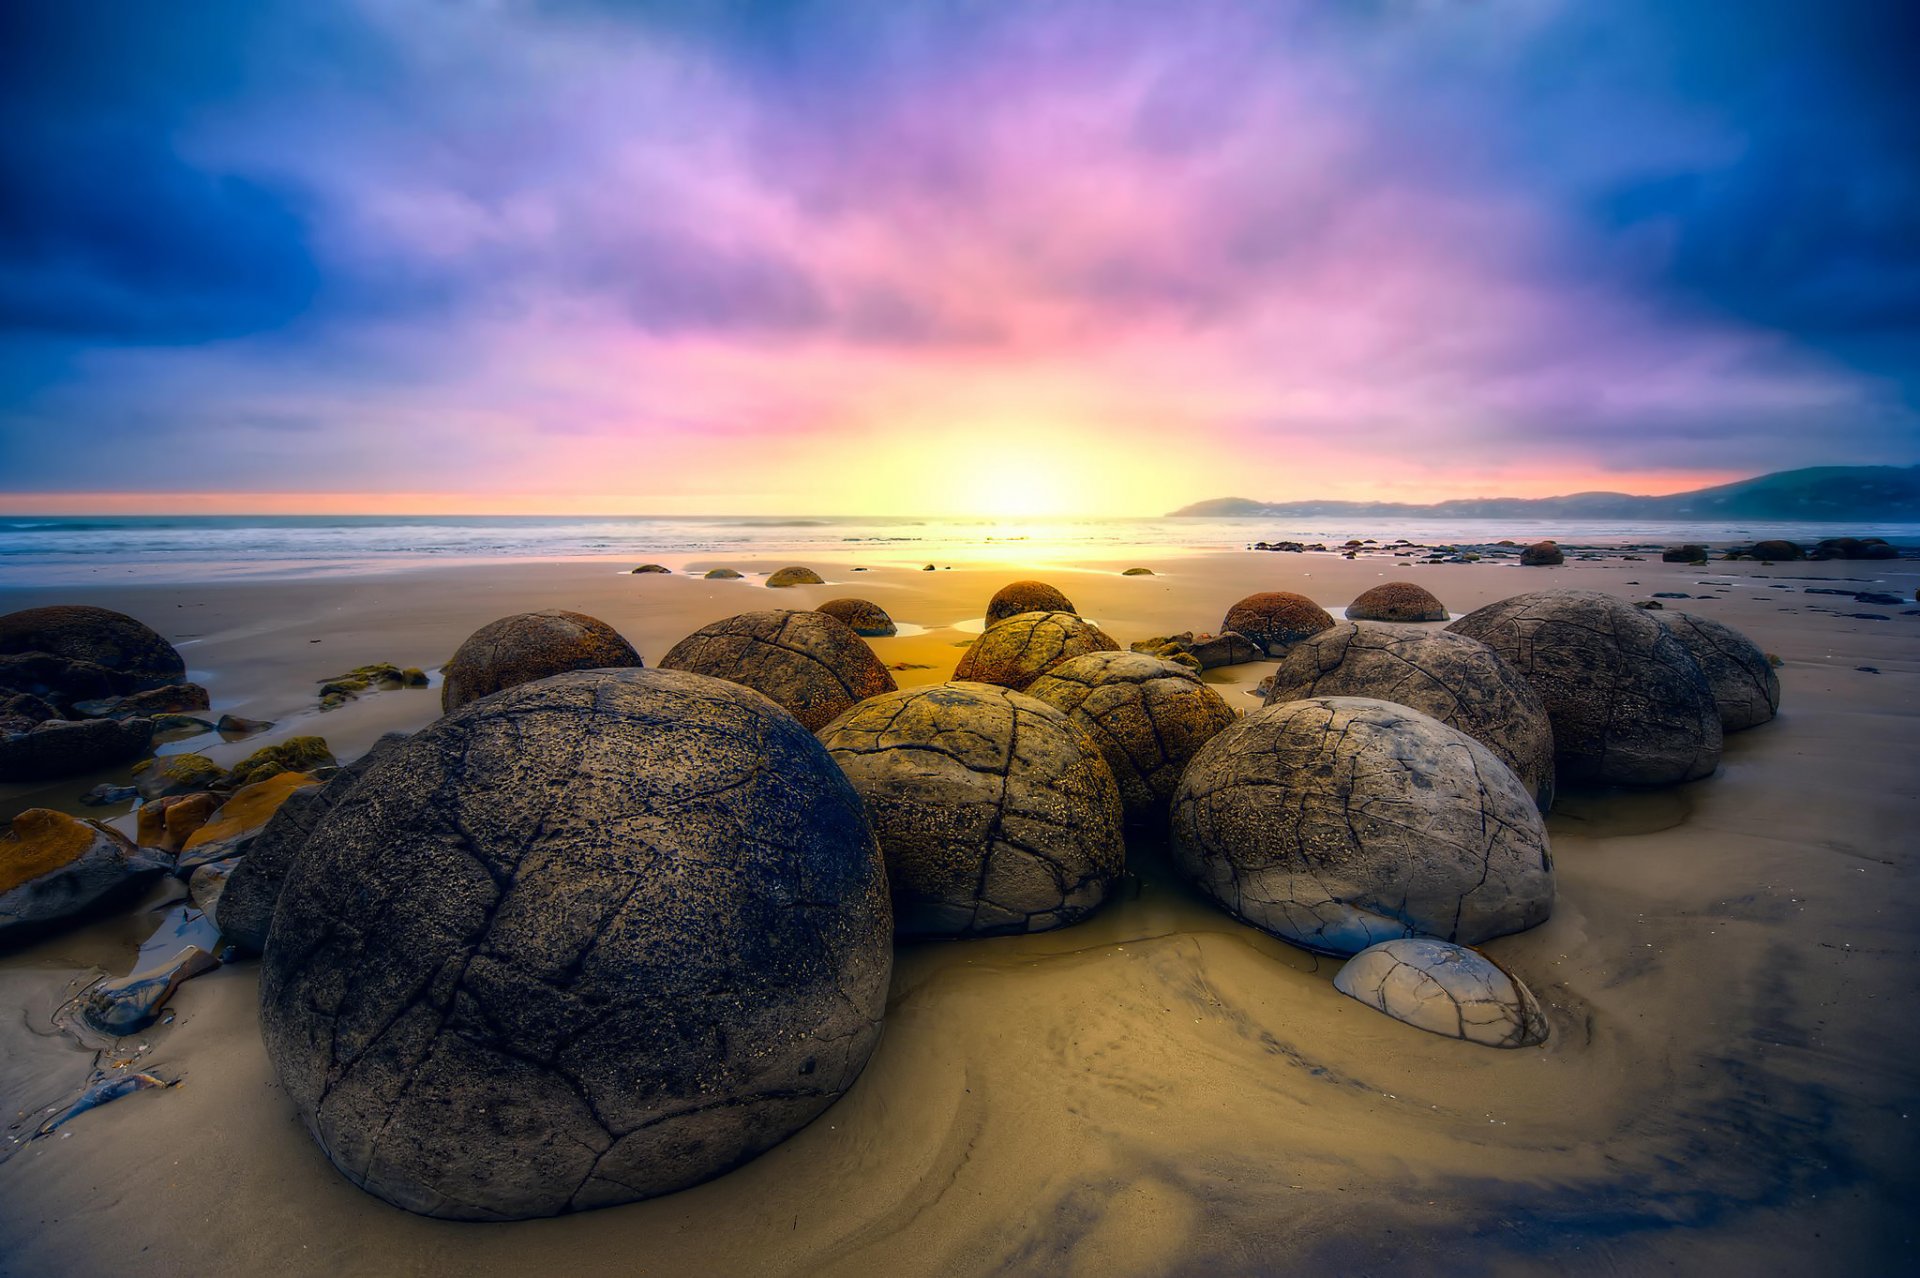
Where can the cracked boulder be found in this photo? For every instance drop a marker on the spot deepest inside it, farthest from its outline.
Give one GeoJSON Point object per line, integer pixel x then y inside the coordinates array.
{"type": "Point", "coordinates": [864, 617]}
{"type": "Point", "coordinates": [1445, 989]}
{"type": "Point", "coordinates": [594, 939]}
{"type": "Point", "coordinates": [1148, 717]}
{"type": "Point", "coordinates": [1628, 702]}
{"type": "Point", "coordinates": [1459, 681]}
{"type": "Point", "coordinates": [1746, 691]}
{"type": "Point", "coordinates": [1400, 601]}
{"type": "Point", "coordinates": [1274, 619]}
{"type": "Point", "coordinates": [995, 812]}
{"type": "Point", "coordinates": [1026, 596]}
{"type": "Point", "coordinates": [56, 869]}
{"type": "Point", "coordinates": [1339, 822]}
{"type": "Point", "coordinates": [528, 646]}
{"type": "Point", "coordinates": [1015, 652]}
{"type": "Point", "coordinates": [808, 663]}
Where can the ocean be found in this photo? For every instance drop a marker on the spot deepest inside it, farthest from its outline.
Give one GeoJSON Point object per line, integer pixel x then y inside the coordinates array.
{"type": "Point", "coordinates": [57, 550]}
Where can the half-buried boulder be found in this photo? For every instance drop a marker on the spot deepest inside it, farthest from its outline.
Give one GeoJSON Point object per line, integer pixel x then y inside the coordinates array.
{"type": "Point", "coordinates": [1339, 822]}
{"type": "Point", "coordinates": [1273, 619]}
{"type": "Point", "coordinates": [1026, 596]}
{"type": "Point", "coordinates": [134, 652]}
{"type": "Point", "coordinates": [1020, 649]}
{"type": "Point", "coordinates": [1397, 601]}
{"type": "Point", "coordinates": [995, 813]}
{"type": "Point", "coordinates": [795, 577]}
{"type": "Point", "coordinates": [1746, 691]}
{"type": "Point", "coordinates": [865, 618]}
{"type": "Point", "coordinates": [1629, 704]}
{"type": "Point", "coordinates": [1147, 716]}
{"type": "Point", "coordinates": [1445, 989]}
{"type": "Point", "coordinates": [592, 939]}
{"type": "Point", "coordinates": [528, 646]}
{"type": "Point", "coordinates": [55, 870]}
{"type": "Point", "coordinates": [1459, 681]}
{"type": "Point", "coordinates": [806, 662]}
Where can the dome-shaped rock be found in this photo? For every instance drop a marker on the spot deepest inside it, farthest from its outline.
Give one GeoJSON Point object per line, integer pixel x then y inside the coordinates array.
{"type": "Point", "coordinates": [1026, 596]}
{"type": "Point", "coordinates": [56, 869]}
{"type": "Point", "coordinates": [1459, 681]}
{"type": "Point", "coordinates": [1746, 691]}
{"type": "Point", "coordinates": [809, 663]}
{"type": "Point", "coordinates": [795, 576]}
{"type": "Point", "coordinates": [1340, 822]}
{"type": "Point", "coordinates": [528, 646]}
{"type": "Point", "coordinates": [1445, 989]}
{"type": "Point", "coordinates": [1629, 704]}
{"type": "Point", "coordinates": [1397, 601]}
{"type": "Point", "coordinates": [994, 811]}
{"type": "Point", "coordinates": [1020, 649]}
{"type": "Point", "coordinates": [1275, 618]}
{"type": "Point", "coordinates": [721, 574]}
{"type": "Point", "coordinates": [596, 938]}
{"type": "Point", "coordinates": [64, 748]}
{"type": "Point", "coordinates": [1147, 716]}
{"type": "Point", "coordinates": [865, 618]}
{"type": "Point", "coordinates": [133, 651]}
{"type": "Point", "coordinates": [1781, 551]}
{"type": "Point", "coordinates": [1542, 554]}
{"type": "Point", "coordinates": [646, 569]}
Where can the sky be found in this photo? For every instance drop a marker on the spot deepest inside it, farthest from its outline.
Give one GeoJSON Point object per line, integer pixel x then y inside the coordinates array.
{"type": "Point", "coordinates": [955, 257]}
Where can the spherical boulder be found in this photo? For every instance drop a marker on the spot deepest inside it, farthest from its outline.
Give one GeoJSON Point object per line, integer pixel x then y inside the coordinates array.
{"type": "Point", "coordinates": [1629, 704]}
{"type": "Point", "coordinates": [1275, 618]}
{"type": "Point", "coordinates": [1444, 989]}
{"type": "Point", "coordinates": [134, 652]}
{"type": "Point", "coordinates": [1020, 649]}
{"type": "Point", "coordinates": [995, 813]}
{"type": "Point", "coordinates": [1542, 554]}
{"type": "Point", "coordinates": [1690, 553]}
{"type": "Point", "coordinates": [1026, 596]}
{"type": "Point", "coordinates": [1397, 601]}
{"type": "Point", "coordinates": [528, 646]}
{"type": "Point", "coordinates": [795, 576]}
{"type": "Point", "coordinates": [1746, 691]}
{"type": "Point", "coordinates": [1339, 822]}
{"type": "Point", "coordinates": [1781, 551]}
{"type": "Point", "coordinates": [808, 663]}
{"type": "Point", "coordinates": [1459, 681]}
{"type": "Point", "coordinates": [1147, 716]}
{"type": "Point", "coordinates": [593, 939]}
{"type": "Point", "coordinates": [865, 618]}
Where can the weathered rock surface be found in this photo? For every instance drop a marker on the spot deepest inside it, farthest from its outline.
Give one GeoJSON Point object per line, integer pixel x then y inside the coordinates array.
{"type": "Point", "coordinates": [1022, 648]}
{"type": "Point", "coordinates": [1445, 989]}
{"type": "Point", "coordinates": [593, 939]}
{"type": "Point", "coordinates": [806, 662]}
{"type": "Point", "coordinates": [134, 652]}
{"type": "Point", "coordinates": [1746, 691]}
{"type": "Point", "coordinates": [63, 748]}
{"type": "Point", "coordinates": [167, 823]}
{"type": "Point", "coordinates": [1026, 596]}
{"type": "Point", "coordinates": [1459, 681]}
{"type": "Point", "coordinates": [1400, 601]}
{"type": "Point", "coordinates": [56, 869]}
{"type": "Point", "coordinates": [1206, 651]}
{"type": "Point", "coordinates": [528, 646]}
{"type": "Point", "coordinates": [244, 911]}
{"type": "Point", "coordinates": [1542, 554]}
{"type": "Point", "coordinates": [795, 576]}
{"type": "Point", "coordinates": [1629, 704]}
{"type": "Point", "coordinates": [1275, 618]}
{"type": "Point", "coordinates": [1148, 718]}
{"type": "Point", "coordinates": [865, 618]}
{"type": "Point", "coordinates": [995, 813]}
{"type": "Point", "coordinates": [1339, 822]}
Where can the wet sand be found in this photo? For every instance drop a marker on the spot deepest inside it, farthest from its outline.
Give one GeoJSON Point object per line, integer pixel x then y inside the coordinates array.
{"type": "Point", "coordinates": [1730, 1086]}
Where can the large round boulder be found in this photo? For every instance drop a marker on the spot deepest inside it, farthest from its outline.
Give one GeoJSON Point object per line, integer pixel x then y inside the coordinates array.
{"type": "Point", "coordinates": [1026, 596]}
{"type": "Point", "coordinates": [1397, 601]}
{"type": "Point", "coordinates": [864, 617]}
{"type": "Point", "coordinates": [1629, 704]}
{"type": "Point", "coordinates": [1147, 716]}
{"type": "Point", "coordinates": [133, 651]}
{"type": "Point", "coordinates": [529, 646]}
{"type": "Point", "coordinates": [1746, 691]}
{"type": "Point", "coordinates": [1446, 989]}
{"type": "Point", "coordinates": [1020, 649]}
{"type": "Point", "coordinates": [593, 939]}
{"type": "Point", "coordinates": [1783, 551]}
{"type": "Point", "coordinates": [807, 662]}
{"type": "Point", "coordinates": [1542, 554]}
{"type": "Point", "coordinates": [1275, 618]}
{"type": "Point", "coordinates": [995, 813]}
{"type": "Point", "coordinates": [1339, 822]}
{"type": "Point", "coordinates": [1459, 681]}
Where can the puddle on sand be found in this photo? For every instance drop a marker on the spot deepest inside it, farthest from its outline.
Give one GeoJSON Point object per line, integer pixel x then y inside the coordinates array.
{"type": "Point", "coordinates": [1604, 812]}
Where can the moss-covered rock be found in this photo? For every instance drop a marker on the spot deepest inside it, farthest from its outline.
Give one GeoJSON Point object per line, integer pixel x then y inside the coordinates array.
{"type": "Point", "coordinates": [295, 754]}
{"type": "Point", "coordinates": [177, 774]}
{"type": "Point", "coordinates": [249, 810]}
{"type": "Point", "coordinates": [55, 870]}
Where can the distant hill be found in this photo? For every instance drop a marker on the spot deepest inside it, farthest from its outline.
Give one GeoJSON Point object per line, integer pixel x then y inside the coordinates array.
{"type": "Point", "coordinates": [1832, 494]}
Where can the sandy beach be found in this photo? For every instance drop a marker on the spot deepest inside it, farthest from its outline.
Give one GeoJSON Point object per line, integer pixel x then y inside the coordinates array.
{"type": "Point", "coordinates": [1730, 1084]}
